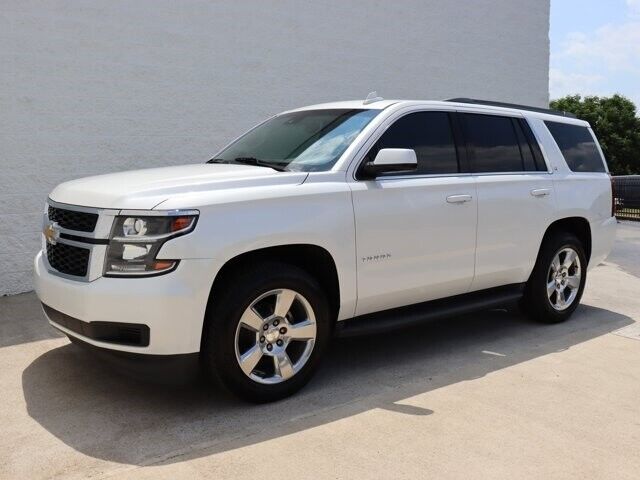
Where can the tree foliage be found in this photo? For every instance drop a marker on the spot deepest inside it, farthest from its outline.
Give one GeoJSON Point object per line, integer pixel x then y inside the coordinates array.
{"type": "Point", "coordinates": [616, 125]}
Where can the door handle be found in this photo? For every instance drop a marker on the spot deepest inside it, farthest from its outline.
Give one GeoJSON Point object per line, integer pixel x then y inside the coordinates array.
{"type": "Point", "coordinates": [540, 192]}
{"type": "Point", "coordinates": [458, 198]}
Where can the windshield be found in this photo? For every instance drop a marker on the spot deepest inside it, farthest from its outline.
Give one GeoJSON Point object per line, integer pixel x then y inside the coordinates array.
{"type": "Point", "coordinates": [310, 140]}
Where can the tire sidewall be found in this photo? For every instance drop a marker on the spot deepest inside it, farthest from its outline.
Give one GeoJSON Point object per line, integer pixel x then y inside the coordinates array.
{"type": "Point", "coordinates": [224, 317]}
{"type": "Point", "coordinates": [538, 302]}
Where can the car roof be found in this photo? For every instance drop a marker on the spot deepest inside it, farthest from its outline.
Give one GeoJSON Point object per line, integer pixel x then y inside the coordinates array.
{"type": "Point", "coordinates": [348, 104]}
{"type": "Point", "coordinates": [383, 104]}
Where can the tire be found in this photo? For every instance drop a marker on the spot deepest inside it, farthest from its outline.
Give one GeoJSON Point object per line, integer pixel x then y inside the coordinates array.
{"type": "Point", "coordinates": [542, 304]}
{"type": "Point", "coordinates": [234, 331]}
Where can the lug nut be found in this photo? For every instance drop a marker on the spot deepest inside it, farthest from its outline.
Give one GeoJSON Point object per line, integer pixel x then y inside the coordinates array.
{"type": "Point", "coordinates": [283, 330]}
{"type": "Point", "coordinates": [269, 347]}
{"type": "Point", "coordinates": [265, 326]}
{"type": "Point", "coordinates": [262, 339]}
{"type": "Point", "coordinates": [276, 322]}
{"type": "Point", "coordinates": [279, 342]}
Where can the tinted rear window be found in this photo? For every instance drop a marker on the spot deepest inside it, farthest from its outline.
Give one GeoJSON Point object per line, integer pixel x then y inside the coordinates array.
{"type": "Point", "coordinates": [493, 142]}
{"type": "Point", "coordinates": [577, 146]}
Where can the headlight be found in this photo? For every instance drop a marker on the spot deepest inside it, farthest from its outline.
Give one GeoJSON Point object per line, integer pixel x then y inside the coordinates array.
{"type": "Point", "coordinates": [136, 240]}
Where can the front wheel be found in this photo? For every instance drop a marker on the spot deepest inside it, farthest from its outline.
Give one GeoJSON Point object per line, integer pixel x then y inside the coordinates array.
{"type": "Point", "coordinates": [267, 330]}
{"type": "Point", "coordinates": [556, 284]}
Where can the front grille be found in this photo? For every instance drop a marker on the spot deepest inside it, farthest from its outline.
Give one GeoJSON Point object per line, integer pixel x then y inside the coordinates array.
{"type": "Point", "coordinates": [68, 259]}
{"type": "Point", "coordinates": [134, 334]}
{"type": "Point", "coordinates": [73, 220]}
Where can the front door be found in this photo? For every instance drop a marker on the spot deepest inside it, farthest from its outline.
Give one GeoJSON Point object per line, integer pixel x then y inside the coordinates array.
{"type": "Point", "coordinates": [415, 233]}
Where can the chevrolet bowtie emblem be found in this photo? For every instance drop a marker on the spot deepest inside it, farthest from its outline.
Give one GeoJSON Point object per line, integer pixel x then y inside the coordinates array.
{"type": "Point", "coordinates": [52, 233]}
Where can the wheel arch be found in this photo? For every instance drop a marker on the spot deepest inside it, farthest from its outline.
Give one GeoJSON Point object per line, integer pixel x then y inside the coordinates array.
{"type": "Point", "coordinates": [314, 259]}
{"type": "Point", "coordinates": [579, 226]}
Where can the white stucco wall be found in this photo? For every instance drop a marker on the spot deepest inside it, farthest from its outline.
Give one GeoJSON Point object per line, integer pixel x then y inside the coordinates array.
{"type": "Point", "coordinates": [93, 87]}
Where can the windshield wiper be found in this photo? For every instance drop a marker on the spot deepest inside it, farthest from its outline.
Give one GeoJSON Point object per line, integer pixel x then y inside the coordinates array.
{"type": "Point", "coordinates": [280, 167]}
{"type": "Point", "coordinates": [260, 163]}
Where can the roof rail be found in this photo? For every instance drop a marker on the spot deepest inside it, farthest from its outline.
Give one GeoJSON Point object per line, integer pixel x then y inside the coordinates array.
{"type": "Point", "coordinates": [475, 101]}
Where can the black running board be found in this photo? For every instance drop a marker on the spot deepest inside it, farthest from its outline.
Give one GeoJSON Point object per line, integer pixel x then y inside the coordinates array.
{"type": "Point", "coordinates": [418, 313]}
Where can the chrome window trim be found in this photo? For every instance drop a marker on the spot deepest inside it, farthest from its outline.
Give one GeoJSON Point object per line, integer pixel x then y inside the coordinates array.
{"type": "Point", "coordinates": [449, 175]}
{"type": "Point", "coordinates": [527, 172]}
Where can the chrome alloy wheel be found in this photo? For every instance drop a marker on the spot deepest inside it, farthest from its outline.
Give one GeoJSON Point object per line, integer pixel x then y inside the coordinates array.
{"type": "Point", "coordinates": [275, 336]}
{"type": "Point", "coordinates": [564, 278]}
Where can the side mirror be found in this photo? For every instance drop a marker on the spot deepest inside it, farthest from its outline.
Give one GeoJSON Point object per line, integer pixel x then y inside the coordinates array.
{"type": "Point", "coordinates": [391, 160]}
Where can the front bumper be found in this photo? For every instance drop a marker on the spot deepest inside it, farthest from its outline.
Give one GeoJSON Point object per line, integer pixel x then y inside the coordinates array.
{"type": "Point", "coordinates": [170, 370]}
{"type": "Point", "coordinates": [172, 305]}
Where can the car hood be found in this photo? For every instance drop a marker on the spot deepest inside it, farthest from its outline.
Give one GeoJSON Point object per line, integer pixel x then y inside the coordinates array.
{"type": "Point", "coordinates": [146, 189]}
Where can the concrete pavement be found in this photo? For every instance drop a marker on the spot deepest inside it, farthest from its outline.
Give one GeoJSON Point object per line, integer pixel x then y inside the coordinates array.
{"type": "Point", "coordinates": [488, 395]}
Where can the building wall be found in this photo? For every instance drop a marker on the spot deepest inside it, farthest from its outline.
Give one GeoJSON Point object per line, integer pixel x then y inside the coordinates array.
{"type": "Point", "coordinates": [95, 87]}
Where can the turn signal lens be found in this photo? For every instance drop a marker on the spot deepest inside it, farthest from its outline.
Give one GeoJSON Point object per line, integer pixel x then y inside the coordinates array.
{"type": "Point", "coordinates": [180, 223]}
{"type": "Point", "coordinates": [163, 264]}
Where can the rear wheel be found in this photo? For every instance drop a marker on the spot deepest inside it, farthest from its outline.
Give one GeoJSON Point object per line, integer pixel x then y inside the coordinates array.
{"type": "Point", "coordinates": [555, 286]}
{"type": "Point", "coordinates": [266, 332]}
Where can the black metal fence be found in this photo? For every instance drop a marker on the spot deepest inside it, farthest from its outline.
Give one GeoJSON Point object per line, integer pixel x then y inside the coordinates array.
{"type": "Point", "coordinates": [626, 193]}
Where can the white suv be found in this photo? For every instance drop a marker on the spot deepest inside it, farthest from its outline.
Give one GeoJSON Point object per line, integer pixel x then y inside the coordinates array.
{"type": "Point", "coordinates": [346, 218]}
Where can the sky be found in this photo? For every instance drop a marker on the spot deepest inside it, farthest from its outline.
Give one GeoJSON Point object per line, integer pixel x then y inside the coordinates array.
{"type": "Point", "coordinates": [595, 48]}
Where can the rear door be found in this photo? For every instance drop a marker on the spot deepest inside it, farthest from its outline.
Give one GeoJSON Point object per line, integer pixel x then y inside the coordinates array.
{"type": "Point", "coordinates": [415, 232]}
{"type": "Point", "coordinates": [515, 197]}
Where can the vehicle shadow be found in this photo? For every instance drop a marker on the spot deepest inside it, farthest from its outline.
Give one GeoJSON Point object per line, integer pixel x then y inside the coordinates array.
{"type": "Point", "coordinates": [32, 325]}
{"type": "Point", "coordinates": [107, 416]}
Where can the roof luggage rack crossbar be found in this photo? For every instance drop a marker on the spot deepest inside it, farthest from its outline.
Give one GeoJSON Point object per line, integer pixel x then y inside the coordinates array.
{"type": "Point", "coordinates": [475, 101]}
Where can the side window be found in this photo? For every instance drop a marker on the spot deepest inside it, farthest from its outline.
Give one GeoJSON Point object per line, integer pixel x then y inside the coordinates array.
{"type": "Point", "coordinates": [577, 147]}
{"type": "Point", "coordinates": [528, 160]}
{"type": "Point", "coordinates": [533, 144]}
{"type": "Point", "coordinates": [493, 142]}
{"type": "Point", "coordinates": [429, 134]}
